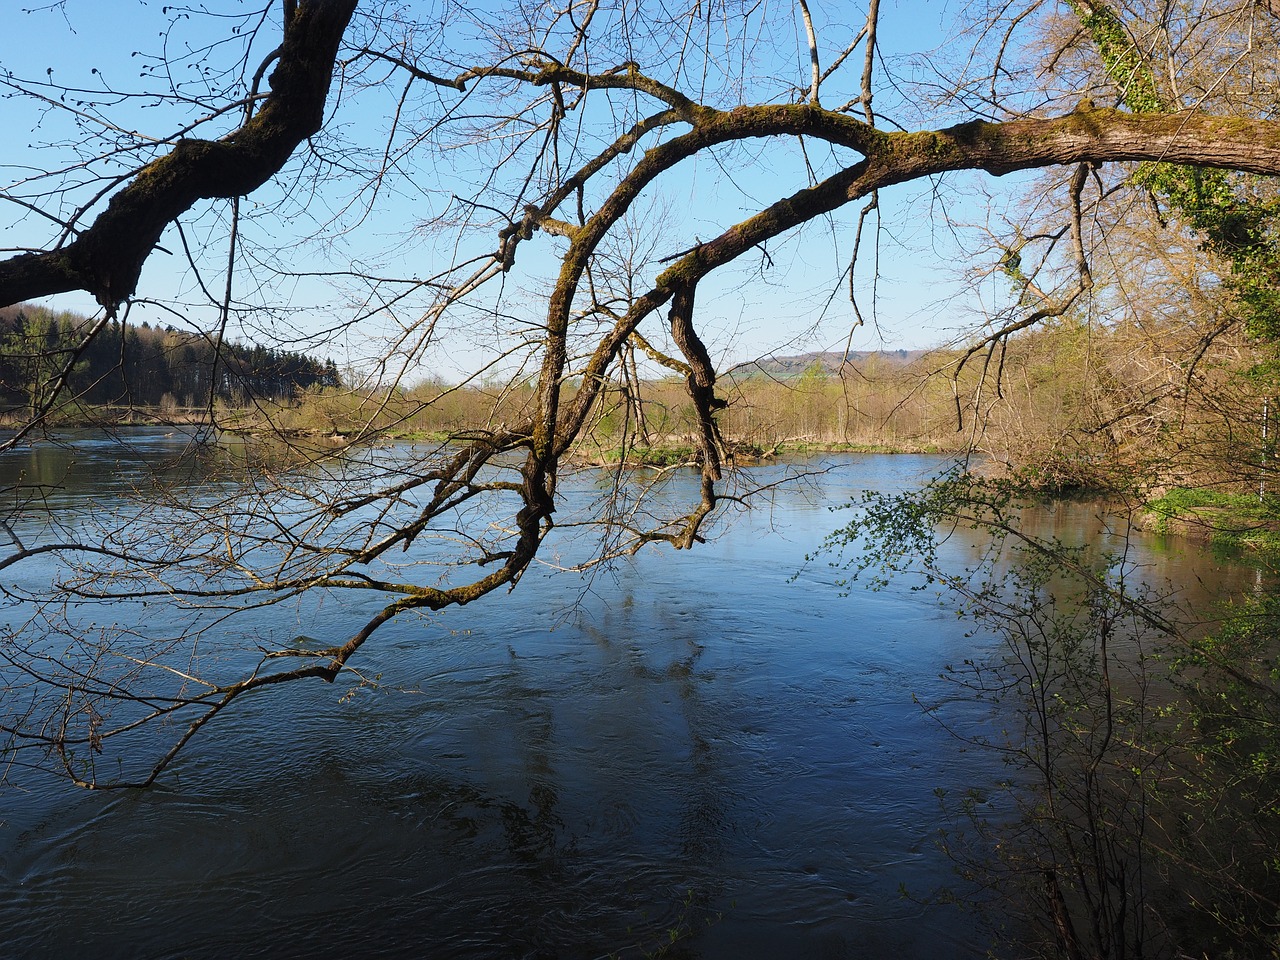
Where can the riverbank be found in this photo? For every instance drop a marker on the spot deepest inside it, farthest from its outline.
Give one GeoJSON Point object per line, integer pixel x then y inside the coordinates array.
{"type": "Point", "coordinates": [1244, 523]}
{"type": "Point", "coordinates": [1233, 523]}
{"type": "Point", "coordinates": [76, 418]}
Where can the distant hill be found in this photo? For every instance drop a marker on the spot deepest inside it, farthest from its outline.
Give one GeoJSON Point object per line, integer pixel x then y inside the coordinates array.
{"type": "Point", "coordinates": [785, 368]}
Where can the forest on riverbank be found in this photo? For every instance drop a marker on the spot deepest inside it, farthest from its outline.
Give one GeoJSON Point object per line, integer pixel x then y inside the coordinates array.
{"type": "Point", "coordinates": [56, 364]}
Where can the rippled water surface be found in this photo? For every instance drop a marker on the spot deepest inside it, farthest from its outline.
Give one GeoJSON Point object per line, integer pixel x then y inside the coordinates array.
{"type": "Point", "coordinates": [699, 746]}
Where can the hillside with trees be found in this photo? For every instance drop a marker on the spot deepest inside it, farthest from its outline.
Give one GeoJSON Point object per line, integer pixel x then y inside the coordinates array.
{"type": "Point", "coordinates": [49, 362]}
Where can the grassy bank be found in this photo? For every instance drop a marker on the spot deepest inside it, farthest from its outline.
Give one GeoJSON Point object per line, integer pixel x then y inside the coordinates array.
{"type": "Point", "coordinates": [1228, 521]}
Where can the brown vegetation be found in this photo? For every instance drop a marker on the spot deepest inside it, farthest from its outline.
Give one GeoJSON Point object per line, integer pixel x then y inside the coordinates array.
{"type": "Point", "coordinates": [1076, 405]}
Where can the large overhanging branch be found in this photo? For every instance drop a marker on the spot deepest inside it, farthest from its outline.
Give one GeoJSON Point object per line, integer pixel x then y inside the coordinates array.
{"type": "Point", "coordinates": [1093, 136]}
{"type": "Point", "coordinates": [1083, 137]}
{"type": "Point", "coordinates": [106, 258]}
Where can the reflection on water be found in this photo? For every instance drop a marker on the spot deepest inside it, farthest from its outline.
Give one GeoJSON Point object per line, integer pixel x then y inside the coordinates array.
{"type": "Point", "coordinates": [703, 748]}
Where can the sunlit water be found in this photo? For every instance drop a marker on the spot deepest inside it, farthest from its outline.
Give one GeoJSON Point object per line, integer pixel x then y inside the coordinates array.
{"type": "Point", "coordinates": [697, 746]}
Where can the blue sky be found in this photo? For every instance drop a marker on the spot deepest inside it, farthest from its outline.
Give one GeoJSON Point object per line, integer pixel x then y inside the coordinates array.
{"type": "Point", "coordinates": [796, 303]}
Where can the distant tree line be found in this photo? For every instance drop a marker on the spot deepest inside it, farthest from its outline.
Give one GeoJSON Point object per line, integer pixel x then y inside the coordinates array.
{"type": "Point", "coordinates": [43, 352]}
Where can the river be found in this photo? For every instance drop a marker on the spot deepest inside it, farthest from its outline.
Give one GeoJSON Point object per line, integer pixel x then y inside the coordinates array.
{"type": "Point", "coordinates": [706, 754]}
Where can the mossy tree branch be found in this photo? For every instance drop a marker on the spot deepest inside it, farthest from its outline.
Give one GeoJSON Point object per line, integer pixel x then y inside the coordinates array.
{"type": "Point", "coordinates": [106, 258]}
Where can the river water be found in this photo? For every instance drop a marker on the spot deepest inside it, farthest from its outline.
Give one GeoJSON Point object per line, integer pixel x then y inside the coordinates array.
{"type": "Point", "coordinates": [707, 754]}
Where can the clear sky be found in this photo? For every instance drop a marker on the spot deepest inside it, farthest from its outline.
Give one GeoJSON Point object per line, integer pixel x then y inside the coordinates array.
{"type": "Point", "coordinates": [791, 301]}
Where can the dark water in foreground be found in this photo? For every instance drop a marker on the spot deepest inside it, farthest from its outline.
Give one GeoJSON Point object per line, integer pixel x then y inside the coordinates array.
{"type": "Point", "coordinates": [702, 748]}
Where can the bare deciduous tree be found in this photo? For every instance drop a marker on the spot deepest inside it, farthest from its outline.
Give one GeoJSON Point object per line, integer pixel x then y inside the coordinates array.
{"type": "Point", "coordinates": [521, 141]}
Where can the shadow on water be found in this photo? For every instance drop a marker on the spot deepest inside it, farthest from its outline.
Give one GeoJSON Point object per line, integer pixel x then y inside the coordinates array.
{"type": "Point", "coordinates": [706, 759]}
